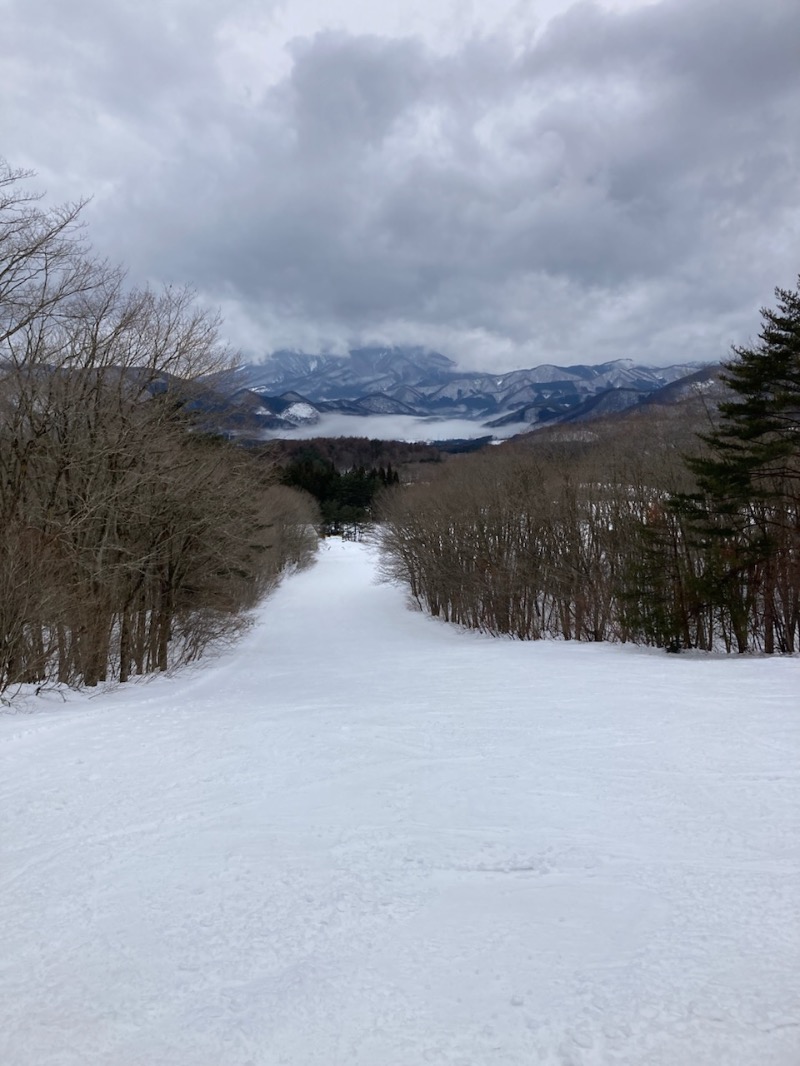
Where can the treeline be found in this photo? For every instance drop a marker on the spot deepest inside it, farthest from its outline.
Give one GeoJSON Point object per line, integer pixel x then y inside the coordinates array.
{"type": "Point", "coordinates": [346, 497]}
{"type": "Point", "coordinates": [638, 530]}
{"type": "Point", "coordinates": [128, 539]}
{"type": "Point", "coordinates": [349, 453]}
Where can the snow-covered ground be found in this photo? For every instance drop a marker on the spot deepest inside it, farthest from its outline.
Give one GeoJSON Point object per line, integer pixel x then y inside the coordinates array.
{"type": "Point", "coordinates": [363, 837]}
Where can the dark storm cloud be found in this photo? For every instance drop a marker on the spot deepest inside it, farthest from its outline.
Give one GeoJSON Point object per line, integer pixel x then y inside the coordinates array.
{"type": "Point", "coordinates": [625, 184]}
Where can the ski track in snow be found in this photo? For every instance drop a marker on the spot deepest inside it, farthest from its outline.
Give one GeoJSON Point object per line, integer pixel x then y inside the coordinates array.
{"type": "Point", "coordinates": [365, 837]}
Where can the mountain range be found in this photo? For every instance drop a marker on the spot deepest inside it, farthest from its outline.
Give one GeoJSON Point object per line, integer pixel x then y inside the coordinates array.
{"type": "Point", "coordinates": [291, 389]}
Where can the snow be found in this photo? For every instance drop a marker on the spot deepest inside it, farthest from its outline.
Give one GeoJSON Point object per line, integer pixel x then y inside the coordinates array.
{"type": "Point", "coordinates": [364, 837]}
{"type": "Point", "coordinates": [301, 412]}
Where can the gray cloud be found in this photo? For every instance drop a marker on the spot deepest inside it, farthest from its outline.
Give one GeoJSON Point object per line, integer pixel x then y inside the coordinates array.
{"type": "Point", "coordinates": [623, 184]}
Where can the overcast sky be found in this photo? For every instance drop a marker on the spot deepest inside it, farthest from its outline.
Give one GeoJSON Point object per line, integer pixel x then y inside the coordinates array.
{"type": "Point", "coordinates": [510, 183]}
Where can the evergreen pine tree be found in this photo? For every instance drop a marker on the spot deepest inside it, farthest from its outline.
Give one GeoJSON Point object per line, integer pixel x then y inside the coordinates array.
{"type": "Point", "coordinates": [748, 504]}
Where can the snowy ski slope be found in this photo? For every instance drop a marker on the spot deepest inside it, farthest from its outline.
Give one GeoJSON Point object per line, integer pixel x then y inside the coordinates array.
{"type": "Point", "coordinates": [364, 838]}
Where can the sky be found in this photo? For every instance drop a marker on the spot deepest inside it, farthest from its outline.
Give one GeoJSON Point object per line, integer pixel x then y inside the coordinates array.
{"type": "Point", "coordinates": [508, 183]}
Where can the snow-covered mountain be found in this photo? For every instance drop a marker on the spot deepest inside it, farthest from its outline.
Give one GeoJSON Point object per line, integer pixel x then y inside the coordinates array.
{"type": "Point", "coordinates": [293, 388]}
{"type": "Point", "coordinates": [363, 371]}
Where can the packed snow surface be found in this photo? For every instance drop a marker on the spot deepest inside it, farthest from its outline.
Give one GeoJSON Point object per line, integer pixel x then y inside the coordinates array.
{"type": "Point", "coordinates": [364, 838]}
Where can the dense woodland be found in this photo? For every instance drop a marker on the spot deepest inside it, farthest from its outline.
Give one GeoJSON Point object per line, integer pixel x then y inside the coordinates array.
{"type": "Point", "coordinates": [348, 453]}
{"type": "Point", "coordinates": [680, 529]}
{"type": "Point", "coordinates": [128, 538]}
{"type": "Point", "coordinates": [345, 498]}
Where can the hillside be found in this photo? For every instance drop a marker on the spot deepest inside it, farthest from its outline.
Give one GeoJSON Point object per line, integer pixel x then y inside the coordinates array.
{"type": "Point", "coordinates": [362, 837]}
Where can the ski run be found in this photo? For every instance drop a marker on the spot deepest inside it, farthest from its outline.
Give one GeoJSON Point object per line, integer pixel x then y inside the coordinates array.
{"type": "Point", "coordinates": [361, 837]}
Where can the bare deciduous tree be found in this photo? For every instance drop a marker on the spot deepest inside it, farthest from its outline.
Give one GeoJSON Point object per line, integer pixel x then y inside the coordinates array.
{"type": "Point", "coordinates": [129, 538]}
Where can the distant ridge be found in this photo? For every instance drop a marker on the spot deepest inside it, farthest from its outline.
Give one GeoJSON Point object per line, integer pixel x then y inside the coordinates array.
{"type": "Point", "coordinates": [293, 388]}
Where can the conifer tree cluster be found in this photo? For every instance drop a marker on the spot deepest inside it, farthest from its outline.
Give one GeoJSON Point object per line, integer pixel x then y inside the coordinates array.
{"type": "Point", "coordinates": [745, 512]}
{"type": "Point", "coordinates": [345, 498]}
